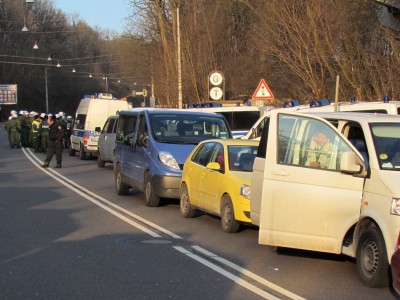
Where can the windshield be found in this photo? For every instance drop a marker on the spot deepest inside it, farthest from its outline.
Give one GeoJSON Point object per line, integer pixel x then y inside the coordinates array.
{"type": "Point", "coordinates": [387, 144]}
{"type": "Point", "coordinates": [187, 128]}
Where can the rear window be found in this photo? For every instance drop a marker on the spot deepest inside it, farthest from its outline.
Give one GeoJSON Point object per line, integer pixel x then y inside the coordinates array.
{"type": "Point", "coordinates": [80, 121]}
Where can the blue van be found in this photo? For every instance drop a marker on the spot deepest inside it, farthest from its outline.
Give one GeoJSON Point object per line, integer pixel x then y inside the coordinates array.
{"type": "Point", "coordinates": [153, 144]}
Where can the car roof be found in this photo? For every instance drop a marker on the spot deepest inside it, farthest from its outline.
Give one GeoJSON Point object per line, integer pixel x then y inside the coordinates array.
{"type": "Point", "coordinates": [358, 117]}
{"type": "Point", "coordinates": [233, 142]}
{"type": "Point", "coordinates": [151, 110]}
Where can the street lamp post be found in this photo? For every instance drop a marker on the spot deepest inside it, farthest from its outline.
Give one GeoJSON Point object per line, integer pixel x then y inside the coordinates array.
{"type": "Point", "coordinates": [47, 91]}
{"type": "Point", "coordinates": [106, 79]}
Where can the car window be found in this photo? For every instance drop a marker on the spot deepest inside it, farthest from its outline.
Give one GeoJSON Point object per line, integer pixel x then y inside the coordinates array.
{"type": "Point", "coordinates": [80, 121]}
{"type": "Point", "coordinates": [106, 125]}
{"type": "Point", "coordinates": [309, 143]}
{"type": "Point", "coordinates": [241, 157]}
{"type": "Point", "coordinates": [203, 154]}
{"type": "Point", "coordinates": [386, 139]}
{"type": "Point", "coordinates": [111, 126]}
{"type": "Point", "coordinates": [126, 128]}
{"type": "Point", "coordinates": [262, 148]}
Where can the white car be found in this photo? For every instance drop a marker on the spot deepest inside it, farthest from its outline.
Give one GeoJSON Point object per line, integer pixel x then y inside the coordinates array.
{"type": "Point", "coordinates": [347, 203]}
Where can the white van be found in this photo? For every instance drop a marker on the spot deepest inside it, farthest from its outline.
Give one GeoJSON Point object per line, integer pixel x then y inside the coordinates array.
{"type": "Point", "coordinates": [90, 116]}
{"type": "Point", "coordinates": [339, 194]}
{"type": "Point", "coordinates": [390, 108]}
{"type": "Point", "coordinates": [240, 118]}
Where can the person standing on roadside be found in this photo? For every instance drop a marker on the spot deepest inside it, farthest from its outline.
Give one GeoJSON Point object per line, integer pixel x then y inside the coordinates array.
{"type": "Point", "coordinates": [44, 133]}
{"type": "Point", "coordinates": [6, 126]}
{"type": "Point", "coordinates": [14, 128]}
{"type": "Point", "coordinates": [56, 135]}
{"type": "Point", "coordinates": [36, 133]}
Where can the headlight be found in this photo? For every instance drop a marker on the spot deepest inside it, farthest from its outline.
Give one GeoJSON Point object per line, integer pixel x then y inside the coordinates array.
{"type": "Point", "coordinates": [245, 191]}
{"type": "Point", "coordinates": [395, 209]}
{"type": "Point", "coordinates": [167, 159]}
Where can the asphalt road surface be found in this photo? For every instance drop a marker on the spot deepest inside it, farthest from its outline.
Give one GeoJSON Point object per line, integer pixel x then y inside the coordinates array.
{"type": "Point", "coordinates": [66, 234]}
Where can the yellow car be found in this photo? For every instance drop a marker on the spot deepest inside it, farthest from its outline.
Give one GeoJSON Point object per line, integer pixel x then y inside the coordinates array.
{"type": "Point", "coordinates": [216, 179]}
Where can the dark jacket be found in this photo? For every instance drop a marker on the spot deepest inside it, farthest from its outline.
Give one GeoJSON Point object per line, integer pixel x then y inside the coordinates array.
{"type": "Point", "coordinates": [56, 132]}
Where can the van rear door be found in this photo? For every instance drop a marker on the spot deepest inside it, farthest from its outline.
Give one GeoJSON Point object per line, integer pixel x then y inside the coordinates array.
{"type": "Point", "coordinates": [302, 206]}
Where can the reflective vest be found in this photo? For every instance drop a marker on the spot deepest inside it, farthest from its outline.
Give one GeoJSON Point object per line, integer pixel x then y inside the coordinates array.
{"type": "Point", "coordinates": [35, 126]}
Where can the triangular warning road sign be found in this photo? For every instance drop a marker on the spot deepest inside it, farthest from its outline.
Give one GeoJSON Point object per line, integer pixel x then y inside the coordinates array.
{"type": "Point", "coordinates": [263, 91]}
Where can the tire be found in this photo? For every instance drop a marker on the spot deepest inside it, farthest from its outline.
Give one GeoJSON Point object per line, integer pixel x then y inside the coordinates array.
{"type": "Point", "coordinates": [82, 153]}
{"type": "Point", "coordinates": [228, 222]}
{"type": "Point", "coordinates": [151, 199]}
{"type": "Point", "coordinates": [71, 151]}
{"type": "Point", "coordinates": [187, 211]}
{"type": "Point", "coordinates": [372, 261]}
{"type": "Point", "coordinates": [122, 188]}
{"type": "Point", "coordinates": [100, 163]}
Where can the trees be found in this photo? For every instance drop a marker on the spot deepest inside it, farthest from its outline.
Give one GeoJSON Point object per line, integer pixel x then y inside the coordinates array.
{"type": "Point", "coordinates": [298, 46]}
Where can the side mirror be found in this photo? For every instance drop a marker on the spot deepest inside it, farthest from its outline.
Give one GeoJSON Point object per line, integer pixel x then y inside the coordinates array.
{"type": "Point", "coordinates": [350, 163]}
{"type": "Point", "coordinates": [97, 129]}
{"type": "Point", "coordinates": [213, 166]}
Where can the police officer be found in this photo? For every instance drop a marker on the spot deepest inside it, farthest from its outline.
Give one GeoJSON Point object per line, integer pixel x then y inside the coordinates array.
{"type": "Point", "coordinates": [44, 133]}
{"type": "Point", "coordinates": [14, 128]}
{"type": "Point", "coordinates": [36, 133]}
{"type": "Point", "coordinates": [56, 135]}
{"type": "Point", "coordinates": [68, 131]}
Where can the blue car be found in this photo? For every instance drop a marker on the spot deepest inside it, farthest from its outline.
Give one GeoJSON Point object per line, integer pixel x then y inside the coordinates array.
{"type": "Point", "coordinates": [152, 145]}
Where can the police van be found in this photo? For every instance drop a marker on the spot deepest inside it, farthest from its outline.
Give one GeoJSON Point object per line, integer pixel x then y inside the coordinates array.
{"type": "Point", "coordinates": [324, 105]}
{"type": "Point", "coordinates": [90, 116]}
{"type": "Point", "coordinates": [240, 118]}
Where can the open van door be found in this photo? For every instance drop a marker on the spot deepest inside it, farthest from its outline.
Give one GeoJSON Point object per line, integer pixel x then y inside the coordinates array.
{"type": "Point", "coordinates": [307, 185]}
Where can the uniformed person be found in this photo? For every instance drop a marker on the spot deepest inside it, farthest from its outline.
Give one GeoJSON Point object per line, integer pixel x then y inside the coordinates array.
{"type": "Point", "coordinates": [36, 133]}
{"type": "Point", "coordinates": [68, 131]}
{"type": "Point", "coordinates": [44, 133]}
{"type": "Point", "coordinates": [14, 127]}
{"type": "Point", "coordinates": [6, 128]}
{"type": "Point", "coordinates": [56, 135]}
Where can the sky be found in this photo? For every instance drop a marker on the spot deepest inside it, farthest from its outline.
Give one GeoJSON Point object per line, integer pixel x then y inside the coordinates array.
{"type": "Point", "coordinates": [105, 14]}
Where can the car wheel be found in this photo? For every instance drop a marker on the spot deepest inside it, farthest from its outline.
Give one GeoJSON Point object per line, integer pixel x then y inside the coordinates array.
{"type": "Point", "coordinates": [372, 261]}
{"type": "Point", "coordinates": [71, 151]}
{"type": "Point", "coordinates": [82, 153]}
{"type": "Point", "coordinates": [228, 222]}
{"type": "Point", "coordinates": [100, 163]}
{"type": "Point", "coordinates": [122, 188]}
{"type": "Point", "coordinates": [187, 211]}
{"type": "Point", "coordinates": [151, 199]}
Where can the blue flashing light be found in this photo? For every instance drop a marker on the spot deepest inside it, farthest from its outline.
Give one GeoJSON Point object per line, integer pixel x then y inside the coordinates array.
{"type": "Point", "coordinates": [386, 99]}
{"type": "Point", "coordinates": [325, 102]}
{"type": "Point", "coordinates": [291, 103]}
{"type": "Point", "coordinates": [248, 102]}
{"type": "Point", "coordinates": [315, 103]}
{"type": "Point", "coordinates": [353, 99]}
{"type": "Point", "coordinates": [318, 103]}
{"type": "Point", "coordinates": [87, 96]}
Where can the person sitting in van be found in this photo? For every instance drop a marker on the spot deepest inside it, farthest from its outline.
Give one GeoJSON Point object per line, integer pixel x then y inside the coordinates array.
{"type": "Point", "coordinates": [319, 152]}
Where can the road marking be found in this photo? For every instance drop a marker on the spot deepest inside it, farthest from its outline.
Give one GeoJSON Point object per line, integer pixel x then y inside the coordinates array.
{"type": "Point", "coordinates": [99, 201]}
{"type": "Point", "coordinates": [248, 273]}
{"type": "Point", "coordinates": [225, 273]}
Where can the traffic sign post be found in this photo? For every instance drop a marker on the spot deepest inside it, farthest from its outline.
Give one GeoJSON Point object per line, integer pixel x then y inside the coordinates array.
{"type": "Point", "coordinates": [262, 92]}
{"type": "Point", "coordinates": [217, 90]}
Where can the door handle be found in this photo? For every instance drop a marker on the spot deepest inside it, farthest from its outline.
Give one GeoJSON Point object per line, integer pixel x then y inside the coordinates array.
{"type": "Point", "coordinates": [280, 173]}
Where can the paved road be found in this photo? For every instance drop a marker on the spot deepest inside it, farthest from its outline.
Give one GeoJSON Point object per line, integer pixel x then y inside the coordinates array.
{"type": "Point", "coordinates": [65, 234]}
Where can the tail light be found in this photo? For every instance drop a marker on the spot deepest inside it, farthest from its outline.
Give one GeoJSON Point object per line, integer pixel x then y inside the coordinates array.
{"type": "Point", "coordinates": [85, 138]}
